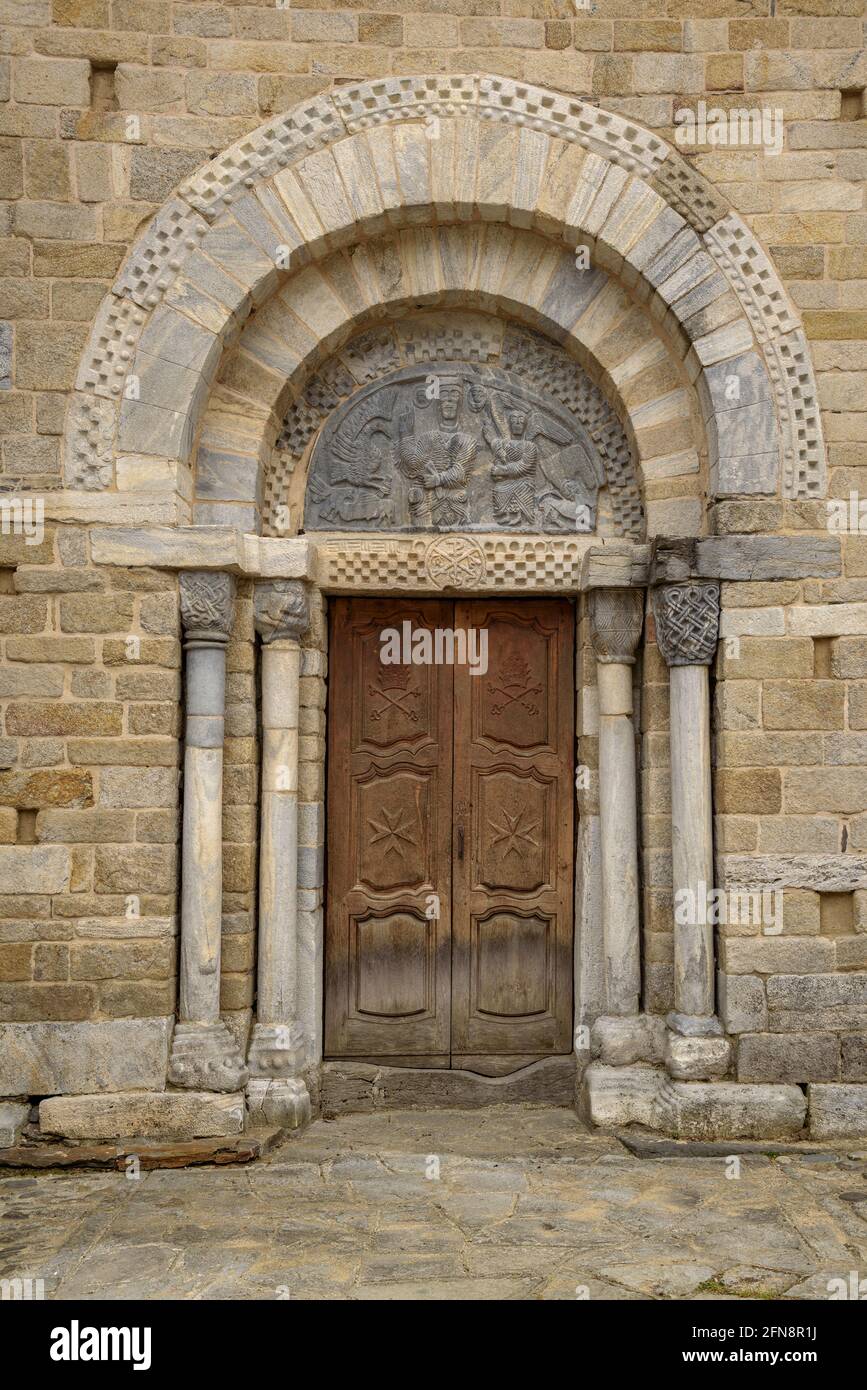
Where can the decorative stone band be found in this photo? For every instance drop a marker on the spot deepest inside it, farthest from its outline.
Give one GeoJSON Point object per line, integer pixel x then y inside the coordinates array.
{"type": "Point", "coordinates": [281, 610]}
{"type": "Point", "coordinates": [616, 618]}
{"type": "Point", "coordinates": [687, 622]}
{"type": "Point", "coordinates": [207, 602]}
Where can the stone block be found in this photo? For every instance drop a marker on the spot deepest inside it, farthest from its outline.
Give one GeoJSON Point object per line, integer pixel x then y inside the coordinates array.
{"type": "Point", "coordinates": [697, 1059]}
{"type": "Point", "coordinates": [778, 955]}
{"type": "Point", "coordinates": [620, 1042]}
{"type": "Point", "coordinates": [72, 1058]}
{"type": "Point", "coordinates": [743, 1007]}
{"type": "Point", "coordinates": [13, 1118]}
{"type": "Point", "coordinates": [53, 81]}
{"type": "Point", "coordinates": [731, 1110]}
{"type": "Point", "coordinates": [621, 1095]}
{"type": "Point", "coordinates": [853, 1057]}
{"type": "Point", "coordinates": [34, 868]}
{"type": "Point", "coordinates": [146, 1115]}
{"type": "Point", "coordinates": [837, 1112]}
{"type": "Point", "coordinates": [788, 1057]}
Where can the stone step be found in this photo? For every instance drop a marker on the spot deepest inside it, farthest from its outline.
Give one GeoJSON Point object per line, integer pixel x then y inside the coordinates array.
{"type": "Point", "coordinates": [187, 1154]}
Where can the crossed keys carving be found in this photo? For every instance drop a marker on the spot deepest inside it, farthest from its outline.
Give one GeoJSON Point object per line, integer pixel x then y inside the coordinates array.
{"type": "Point", "coordinates": [394, 701]}
{"type": "Point", "coordinates": [515, 687]}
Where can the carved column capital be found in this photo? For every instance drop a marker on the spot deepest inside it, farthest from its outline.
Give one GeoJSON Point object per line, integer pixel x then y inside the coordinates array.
{"type": "Point", "coordinates": [616, 619]}
{"type": "Point", "coordinates": [281, 609]}
{"type": "Point", "coordinates": [207, 600]}
{"type": "Point", "coordinates": [687, 622]}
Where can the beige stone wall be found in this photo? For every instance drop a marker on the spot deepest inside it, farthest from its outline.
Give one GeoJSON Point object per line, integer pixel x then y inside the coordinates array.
{"type": "Point", "coordinates": [110, 104]}
{"type": "Point", "coordinates": [90, 690]}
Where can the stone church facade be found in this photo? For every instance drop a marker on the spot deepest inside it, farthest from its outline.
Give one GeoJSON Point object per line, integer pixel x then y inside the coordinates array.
{"type": "Point", "coordinates": [303, 346]}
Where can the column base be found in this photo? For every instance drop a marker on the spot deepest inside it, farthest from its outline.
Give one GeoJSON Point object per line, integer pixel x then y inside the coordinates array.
{"type": "Point", "coordinates": [616, 1096]}
{"type": "Point", "coordinates": [284, 1101]}
{"type": "Point", "coordinates": [276, 1050]}
{"type": "Point", "coordinates": [695, 1025]}
{"type": "Point", "coordinates": [206, 1057]}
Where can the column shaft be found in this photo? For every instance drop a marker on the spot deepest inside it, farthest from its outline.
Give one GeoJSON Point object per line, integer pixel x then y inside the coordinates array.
{"type": "Point", "coordinates": [204, 1055]}
{"type": "Point", "coordinates": [616, 616]}
{"type": "Point", "coordinates": [618, 821]}
{"type": "Point", "coordinates": [202, 837]}
{"type": "Point", "coordinates": [277, 1046]}
{"type": "Point", "coordinates": [691, 838]}
{"type": "Point", "coordinates": [278, 860]}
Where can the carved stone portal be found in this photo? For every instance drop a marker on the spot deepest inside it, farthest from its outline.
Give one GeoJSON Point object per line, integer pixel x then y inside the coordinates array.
{"type": "Point", "coordinates": [453, 447]}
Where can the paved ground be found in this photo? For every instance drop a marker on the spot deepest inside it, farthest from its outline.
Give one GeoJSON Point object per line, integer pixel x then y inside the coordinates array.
{"type": "Point", "coordinates": [509, 1203]}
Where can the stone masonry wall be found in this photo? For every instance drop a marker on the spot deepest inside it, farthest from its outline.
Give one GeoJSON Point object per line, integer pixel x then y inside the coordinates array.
{"type": "Point", "coordinates": [107, 105]}
{"type": "Point", "coordinates": [90, 690]}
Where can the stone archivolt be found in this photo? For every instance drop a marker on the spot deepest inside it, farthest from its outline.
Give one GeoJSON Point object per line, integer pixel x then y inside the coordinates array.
{"type": "Point", "coordinates": [442, 150]}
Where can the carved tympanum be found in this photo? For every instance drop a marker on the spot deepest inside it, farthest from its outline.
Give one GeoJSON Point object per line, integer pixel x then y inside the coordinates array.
{"type": "Point", "coordinates": [457, 447]}
{"type": "Point", "coordinates": [687, 622]}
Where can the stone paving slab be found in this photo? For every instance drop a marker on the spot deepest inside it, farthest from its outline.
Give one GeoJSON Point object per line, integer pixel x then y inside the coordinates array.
{"type": "Point", "coordinates": [514, 1203]}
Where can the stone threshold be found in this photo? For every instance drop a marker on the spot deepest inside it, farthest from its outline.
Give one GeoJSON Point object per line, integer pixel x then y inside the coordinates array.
{"type": "Point", "coordinates": [149, 1154]}
{"type": "Point", "coordinates": [348, 1087]}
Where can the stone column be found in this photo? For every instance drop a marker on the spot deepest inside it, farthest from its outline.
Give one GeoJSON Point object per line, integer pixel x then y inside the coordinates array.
{"type": "Point", "coordinates": [276, 1056]}
{"type": "Point", "coordinates": [616, 617]}
{"type": "Point", "coordinates": [687, 629]}
{"type": "Point", "coordinates": [205, 1055]}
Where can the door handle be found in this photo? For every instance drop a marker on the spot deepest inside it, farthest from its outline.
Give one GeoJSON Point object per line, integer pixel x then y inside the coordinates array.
{"type": "Point", "coordinates": [460, 842]}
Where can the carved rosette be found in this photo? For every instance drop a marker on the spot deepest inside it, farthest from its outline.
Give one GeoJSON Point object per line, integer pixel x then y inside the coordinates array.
{"type": "Point", "coordinates": [687, 622]}
{"type": "Point", "coordinates": [281, 610]}
{"type": "Point", "coordinates": [616, 619]}
{"type": "Point", "coordinates": [207, 600]}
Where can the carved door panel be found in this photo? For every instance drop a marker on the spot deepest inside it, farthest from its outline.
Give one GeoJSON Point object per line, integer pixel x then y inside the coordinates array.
{"type": "Point", "coordinates": [455, 789]}
{"type": "Point", "coordinates": [388, 952]}
{"type": "Point", "coordinates": [513, 798]}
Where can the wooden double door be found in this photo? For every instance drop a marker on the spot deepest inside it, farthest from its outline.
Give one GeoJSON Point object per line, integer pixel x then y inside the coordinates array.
{"type": "Point", "coordinates": [450, 837]}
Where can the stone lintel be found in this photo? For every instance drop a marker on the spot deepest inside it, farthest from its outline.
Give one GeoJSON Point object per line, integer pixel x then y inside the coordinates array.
{"type": "Point", "coordinates": [203, 548]}
{"type": "Point", "coordinates": [676, 561]}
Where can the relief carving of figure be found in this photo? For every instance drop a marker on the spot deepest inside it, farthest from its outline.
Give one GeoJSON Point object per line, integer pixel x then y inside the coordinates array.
{"type": "Point", "coordinates": [513, 471]}
{"type": "Point", "coordinates": [436, 462]}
